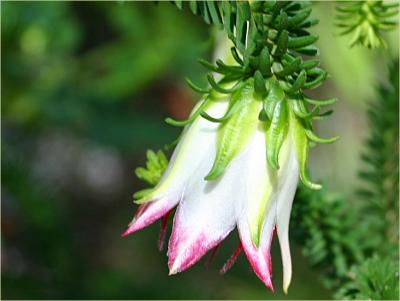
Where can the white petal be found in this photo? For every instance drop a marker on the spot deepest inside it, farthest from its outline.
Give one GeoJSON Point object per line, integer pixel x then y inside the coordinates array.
{"type": "Point", "coordinates": [196, 146]}
{"type": "Point", "coordinates": [206, 215]}
{"type": "Point", "coordinates": [257, 182]}
{"type": "Point", "coordinates": [255, 204]}
{"type": "Point", "coordinates": [285, 194]}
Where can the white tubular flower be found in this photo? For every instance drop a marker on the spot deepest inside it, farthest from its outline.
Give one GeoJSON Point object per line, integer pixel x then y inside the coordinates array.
{"type": "Point", "coordinates": [239, 170]}
{"type": "Point", "coordinates": [196, 147]}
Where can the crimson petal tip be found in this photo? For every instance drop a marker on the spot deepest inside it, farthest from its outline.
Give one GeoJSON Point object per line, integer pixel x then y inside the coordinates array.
{"type": "Point", "coordinates": [126, 232]}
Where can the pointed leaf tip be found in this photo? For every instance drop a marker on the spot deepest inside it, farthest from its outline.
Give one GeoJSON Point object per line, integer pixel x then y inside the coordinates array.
{"type": "Point", "coordinates": [306, 181]}
{"type": "Point", "coordinates": [234, 134]}
{"type": "Point", "coordinates": [313, 137]}
{"type": "Point", "coordinates": [215, 172]}
{"type": "Point", "coordinates": [126, 233]}
{"type": "Point", "coordinates": [277, 133]}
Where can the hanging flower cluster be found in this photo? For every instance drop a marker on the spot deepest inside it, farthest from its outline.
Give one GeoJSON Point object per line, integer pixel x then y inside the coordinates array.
{"type": "Point", "coordinates": [245, 145]}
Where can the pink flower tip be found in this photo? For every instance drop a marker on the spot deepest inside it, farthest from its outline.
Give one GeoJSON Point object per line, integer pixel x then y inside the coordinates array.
{"type": "Point", "coordinates": [126, 232]}
{"type": "Point", "coordinates": [172, 271]}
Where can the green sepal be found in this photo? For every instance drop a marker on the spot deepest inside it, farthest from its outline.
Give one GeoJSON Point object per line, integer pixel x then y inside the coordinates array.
{"type": "Point", "coordinates": [313, 72]}
{"type": "Point", "coordinates": [234, 134]}
{"type": "Point", "coordinates": [234, 105]}
{"type": "Point", "coordinates": [297, 19]}
{"type": "Point", "coordinates": [285, 86]}
{"type": "Point", "coordinates": [277, 133]}
{"type": "Point", "coordinates": [290, 68]}
{"type": "Point", "coordinates": [208, 65]}
{"type": "Point", "coordinates": [300, 42]}
{"type": "Point", "coordinates": [316, 82]}
{"type": "Point", "coordinates": [192, 117]}
{"type": "Point", "coordinates": [301, 145]}
{"type": "Point", "coordinates": [275, 94]}
{"type": "Point", "coordinates": [310, 64]}
{"type": "Point", "coordinates": [282, 43]}
{"type": "Point", "coordinates": [195, 87]}
{"type": "Point", "coordinates": [259, 85]}
{"type": "Point", "coordinates": [310, 23]}
{"type": "Point", "coordinates": [322, 102]}
{"type": "Point", "coordinates": [225, 69]}
{"type": "Point", "coordinates": [217, 87]}
{"type": "Point", "coordinates": [235, 55]}
{"type": "Point", "coordinates": [265, 62]}
{"type": "Point", "coordinates": [322, 115]}
{"type": "Point", "coordinates": [313, 137]}
{"type": "Point", "coordinates": [300, 109]}
{"type": "Point", "coordinates": [141, 195]}
{"type": "Point", "coordinates": [282, 21]}
{"type": "Point", "coordinates": [299, 83]}
{"type": "Point", "coordinates": [287, 58]}
{"type": "Point", "coordinates": [308, 50]}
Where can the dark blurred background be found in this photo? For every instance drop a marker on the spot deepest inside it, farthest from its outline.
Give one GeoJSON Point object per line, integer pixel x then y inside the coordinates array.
{"type": "Point", "coordinates": [85, 89]}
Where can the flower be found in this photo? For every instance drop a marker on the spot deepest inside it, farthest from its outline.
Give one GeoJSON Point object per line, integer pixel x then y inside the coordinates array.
{"type": "Point", "coordinates": [239, 170]}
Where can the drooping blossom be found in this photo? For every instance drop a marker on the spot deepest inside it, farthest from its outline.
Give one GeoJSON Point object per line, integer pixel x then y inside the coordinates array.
{"type": "Point", "coordinates": [240, 172]}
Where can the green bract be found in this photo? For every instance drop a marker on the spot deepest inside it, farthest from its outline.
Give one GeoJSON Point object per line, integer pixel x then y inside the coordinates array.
{"type": "Point", "coordinates": [268, 81]}
{"type": "Point", "coordinates": [234, 132]}
{"type": "Point", "coordinates": [155, 167]}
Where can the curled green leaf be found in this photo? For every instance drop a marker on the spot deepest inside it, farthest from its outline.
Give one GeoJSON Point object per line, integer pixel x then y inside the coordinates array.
{"type": "Point", "coordinates": [308, 50]}
{"type": "Point", "coordinates": [265, 62]}
{"type": "Point", "coordinates": [313, 137]}
{"type": "Point", "coordinates": [277, 133]}
{"type": "Point", "coordinates": [299, 82]}
{"type": "Point", "coordinates": [322, 102]}
{"type": "Point", "coordinates": [191, 118]}
{"type": "Point", "coordinates": [195, 87]}
{"type": "Point", "coordinates": [234, 134]}
{"type": "Point", "coordinates": [282, 43]}
{"type": "Point", "coordinates": [259, 84]}
{"type": "Point", "coordinates": [218, 88]}
{"type": "Point", "coordinates": [290, 68]}
{"type": "Point", "coordinates": [300, 42]}
{"type": "Point", "coordinates": [297, 19]}
{"type": "Point", "coordinates": [301, 146]}
{"type": "Point", "coordinates": [316, 82]}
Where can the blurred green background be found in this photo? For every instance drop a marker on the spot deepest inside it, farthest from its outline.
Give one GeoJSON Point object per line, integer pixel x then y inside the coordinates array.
{"type": "Point", "coordinates": [85, 89]}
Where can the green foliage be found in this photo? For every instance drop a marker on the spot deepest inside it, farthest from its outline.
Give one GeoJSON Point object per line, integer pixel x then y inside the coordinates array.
{"type": "Point", "coordinates": [272, 41]}
{"type": "Point", "coordinates": [381, 165]}
{"type": "Point", "coordinates": [325, 225]}
{"type": "Point", "coordinates": [366, 20]}
{"type": "Point", "coordinates": [375, 279]}
{"type": "Point", "coordinates": [155, 166]}
{"type": "Point", "coordinates": [269, 37]}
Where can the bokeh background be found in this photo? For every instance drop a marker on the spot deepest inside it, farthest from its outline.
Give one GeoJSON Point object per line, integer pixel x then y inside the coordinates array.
{"type": "Point", "coordinates": [85, 89]}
